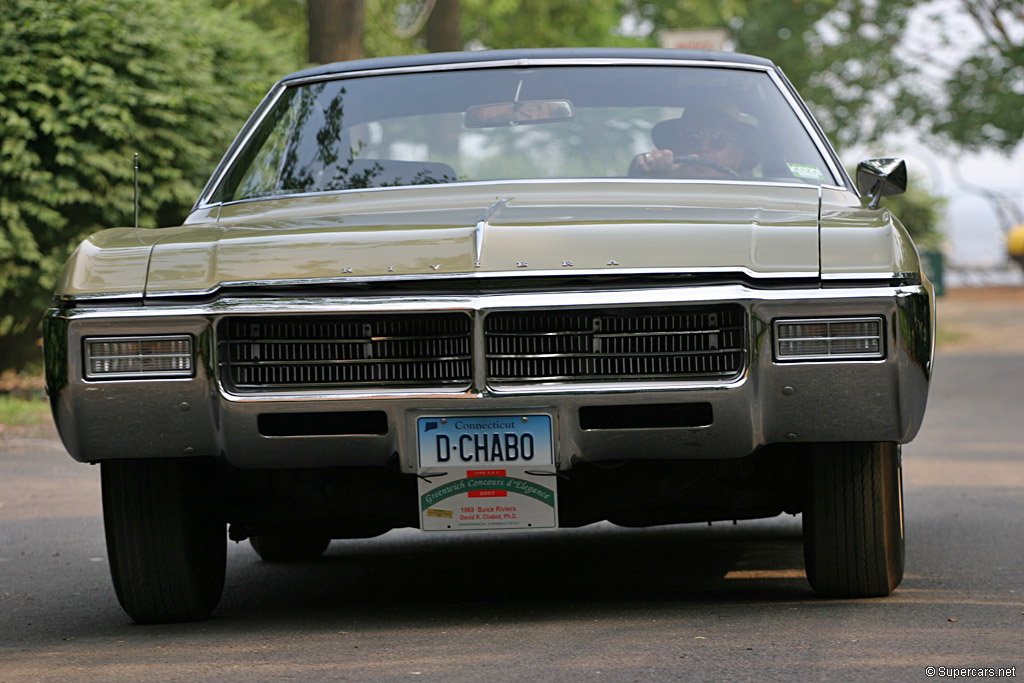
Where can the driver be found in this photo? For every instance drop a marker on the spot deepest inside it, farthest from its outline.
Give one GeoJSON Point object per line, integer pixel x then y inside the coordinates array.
{"type": "Point", "coordinates": [702, 143]}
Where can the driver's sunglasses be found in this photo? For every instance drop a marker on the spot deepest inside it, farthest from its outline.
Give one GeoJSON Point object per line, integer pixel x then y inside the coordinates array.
{"type": "Point", "coordinates": [714, 140]}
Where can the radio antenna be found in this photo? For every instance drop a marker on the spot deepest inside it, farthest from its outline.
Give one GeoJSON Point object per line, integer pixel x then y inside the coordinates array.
{"type": "Point", "coordinates": [136, 189]}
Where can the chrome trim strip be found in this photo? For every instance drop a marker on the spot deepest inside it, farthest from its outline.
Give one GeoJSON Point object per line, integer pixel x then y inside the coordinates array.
{"type": "Point", "coordinates": [538, 181]}
{"type": "Point", "coordinates": [485, 302]}
{"type": "Point", "coordinates": [126, 296]}
{"type": "Point", "coordinates": [350, 361]}
{"type": "Point", "coordinates": [882, 275]}
{"type": "Point", "coordinates": [479, 385]}
{"type": "Point", "coordinates": [824, 149]}
{"type": "Point", "coordinates": [786, 275]}
{"type": "Point", "coordinates": [529, 61]}
{"type": "Point", "coordinates": [247, 131]}
{"type": "Point", "coordinates": [481, 230]}
{"type": "Point", "coordinates": [473, 393]}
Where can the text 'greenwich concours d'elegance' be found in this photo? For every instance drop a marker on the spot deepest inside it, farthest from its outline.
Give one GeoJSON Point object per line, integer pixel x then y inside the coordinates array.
{"type": "Point", "coordinates": [495, 291]}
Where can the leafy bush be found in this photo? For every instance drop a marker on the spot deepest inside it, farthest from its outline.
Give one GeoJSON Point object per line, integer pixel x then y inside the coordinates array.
{"type": "Point", "coordinates": [85, 85]}
{"type": "Point", "coordinates": [921, 212]}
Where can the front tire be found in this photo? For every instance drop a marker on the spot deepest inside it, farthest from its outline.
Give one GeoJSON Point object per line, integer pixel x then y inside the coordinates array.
{"type": "Point", "coordinates": [853, 520]}
{"type": "Point", "coordinates": [165, 537]}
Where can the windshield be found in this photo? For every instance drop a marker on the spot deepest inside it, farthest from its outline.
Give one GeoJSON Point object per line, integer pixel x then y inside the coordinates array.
{"type": "Point", "coordinates": [525, 123]}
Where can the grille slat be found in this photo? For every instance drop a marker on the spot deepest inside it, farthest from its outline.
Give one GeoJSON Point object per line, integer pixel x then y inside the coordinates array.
{"type": "Point", "coordinates": [627, 344]}
{"type": "Point", "coordinates": [416, 350]}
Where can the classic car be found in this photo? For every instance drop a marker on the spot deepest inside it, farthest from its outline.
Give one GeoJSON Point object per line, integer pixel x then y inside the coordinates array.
{"type": "Point", "coordinates": [499, 291]}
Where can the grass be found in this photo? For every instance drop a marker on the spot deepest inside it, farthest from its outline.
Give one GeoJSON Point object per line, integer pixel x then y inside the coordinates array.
{"type": "Point", "coordinates": [948, 336]}
{"type": "Point", "coordinates": [22, 399]}
{"type": "Point", "coordinates": [15, 411]}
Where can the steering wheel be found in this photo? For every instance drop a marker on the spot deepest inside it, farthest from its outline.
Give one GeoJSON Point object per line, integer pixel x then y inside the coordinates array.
{"type": "Point", "coordinates": [707, 163]}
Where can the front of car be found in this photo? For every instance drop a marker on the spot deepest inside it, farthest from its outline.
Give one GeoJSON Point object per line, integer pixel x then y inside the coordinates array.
{"type": "Point", "coordinates": [507, 290]}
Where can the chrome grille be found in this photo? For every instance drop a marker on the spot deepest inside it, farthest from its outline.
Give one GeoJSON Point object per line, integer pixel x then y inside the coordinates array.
{"type": "Point", "coordinates": [608, 345]}
{"type": "Point", "coordinates": [341, 351]}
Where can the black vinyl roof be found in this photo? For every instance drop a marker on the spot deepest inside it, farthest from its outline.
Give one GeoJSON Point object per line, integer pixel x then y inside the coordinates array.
{"type": "Point", "coordinates": [442, 58]}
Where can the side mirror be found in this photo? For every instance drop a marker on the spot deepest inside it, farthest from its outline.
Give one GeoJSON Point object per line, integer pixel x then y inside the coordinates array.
{"type": "Point", "coordinates": [877, 178]}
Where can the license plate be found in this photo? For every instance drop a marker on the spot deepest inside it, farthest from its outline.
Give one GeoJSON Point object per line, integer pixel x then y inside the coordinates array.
{"type": "Point", "coordinates": [510, 441]}
{"type": "Point", "coordinates": [486, 473]}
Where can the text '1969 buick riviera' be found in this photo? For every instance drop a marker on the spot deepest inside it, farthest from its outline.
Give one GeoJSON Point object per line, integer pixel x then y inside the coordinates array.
{"type": "Point", "coordinates": [495, 291]}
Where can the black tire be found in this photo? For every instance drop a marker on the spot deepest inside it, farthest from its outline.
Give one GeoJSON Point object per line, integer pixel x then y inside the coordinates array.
{"type": "Point", "coordinates": [285, 547]}
{"type": "Point", "coordinates": [853, 520]}
{"type": "Point", "coordinates": [166, 538]}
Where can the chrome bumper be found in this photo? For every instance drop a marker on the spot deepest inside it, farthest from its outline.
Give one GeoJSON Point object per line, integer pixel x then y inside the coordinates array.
{"type": "Point", "coordinates": [770, 402]}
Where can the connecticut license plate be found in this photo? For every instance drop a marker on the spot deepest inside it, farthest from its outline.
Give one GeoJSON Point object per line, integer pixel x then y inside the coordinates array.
{"type": "Point", "coordinates": [486, 473]}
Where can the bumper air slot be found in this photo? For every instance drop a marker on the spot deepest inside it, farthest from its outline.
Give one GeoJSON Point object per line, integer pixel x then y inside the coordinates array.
{"type": "Point", "coordinates": [646, 416]}
{"type": "Point", "coordinates": [348, 423]}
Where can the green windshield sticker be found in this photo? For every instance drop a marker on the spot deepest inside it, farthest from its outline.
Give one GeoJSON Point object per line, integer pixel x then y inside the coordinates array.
{"type": "Point", "coordinates": [806, 171]}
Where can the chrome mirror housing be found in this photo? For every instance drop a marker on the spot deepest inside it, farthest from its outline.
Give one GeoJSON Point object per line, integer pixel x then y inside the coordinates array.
{"type": "Point", "coordinates": [877, 178]}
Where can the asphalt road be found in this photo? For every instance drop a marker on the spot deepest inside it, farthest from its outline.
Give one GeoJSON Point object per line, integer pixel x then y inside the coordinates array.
{"type": "Point", "coordinates": [600, 603]}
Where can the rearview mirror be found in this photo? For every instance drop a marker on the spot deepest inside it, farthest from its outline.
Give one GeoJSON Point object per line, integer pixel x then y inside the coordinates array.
{"type": "Point", "coordinates": [877, 178]}
{"type": "Point", "coordinates": [518, 113]}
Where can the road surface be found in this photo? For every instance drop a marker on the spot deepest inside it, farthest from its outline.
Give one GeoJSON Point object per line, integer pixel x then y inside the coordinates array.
{"type": "Point", "coordinates": [600, 603]}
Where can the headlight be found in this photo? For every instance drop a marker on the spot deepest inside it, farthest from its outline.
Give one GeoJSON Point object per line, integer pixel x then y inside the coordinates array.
{"type": "Point", "coordinates": [142, 357]}
{"type": "Point", "coordinates": [829, 339]}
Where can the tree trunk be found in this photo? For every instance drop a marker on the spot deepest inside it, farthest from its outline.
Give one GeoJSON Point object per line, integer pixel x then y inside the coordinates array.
{"type": "Point", "coordinates": [335, 30]}
{"type": "Point", "coordinates": [443, 27]}
{"type": "Point", "coordinates": [443, 36]}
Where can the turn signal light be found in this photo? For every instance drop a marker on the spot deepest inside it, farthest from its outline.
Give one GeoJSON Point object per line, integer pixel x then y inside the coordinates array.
{"type": "Point", "coordinates": [138, 357]}
{"type": "Point", "coordinates": [829, 339]}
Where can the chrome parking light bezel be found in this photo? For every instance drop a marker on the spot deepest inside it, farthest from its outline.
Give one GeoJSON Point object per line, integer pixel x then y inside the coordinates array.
{"type": "Point", "coordinates": [141, 374]}
{"type": "Point", "coordinates": [782, 357]}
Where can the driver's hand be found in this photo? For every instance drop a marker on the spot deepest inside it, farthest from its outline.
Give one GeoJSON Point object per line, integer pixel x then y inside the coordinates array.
{"type": "Point", "coordinates": [656, 161]}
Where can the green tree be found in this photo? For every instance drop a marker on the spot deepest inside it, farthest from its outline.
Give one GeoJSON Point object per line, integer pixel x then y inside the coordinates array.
{"type": "Point", "coordinates": [555, 23]}
{"type": "Point", "coordinates": [981, 103]}
{"type": "Point", "coordinates": [840, 54]}
{"type": "Point", "coordinates": [284, 21]}
{"type": "Point", "coordinates": [850, 59]}
{"type": "Point", "coordinates": [401, 26]}
{"type": "Point", "coordinates": [864, 76]}
{"type": "Point", "coordinates": [86, 84]}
